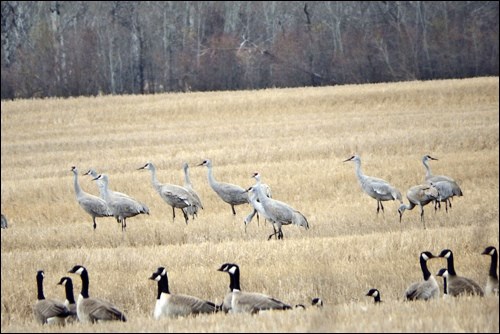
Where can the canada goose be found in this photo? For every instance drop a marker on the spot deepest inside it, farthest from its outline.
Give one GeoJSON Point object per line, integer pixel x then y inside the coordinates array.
{"type": "Point", "coordinates": [426, 289]}
{"type": "Point", "coordinates": [48, 311]}
{"type": "Point", "coordinates": [70, 303]}
{"type": "Point", "coordinates": [457, 284]}
{"type": "Point", "coordinates": [174, 305]}
{"type": "Point", "coordinates": [93, 309]}
{"type": "Point", "coordinates": [229, 193]}
{"type": "Point", "coordinates": [443, 272]}
{"type": "Point", "coordinates": [376, 188]}
{"type": "Point", "coordinates": [249, 302]}
{"type": "Point", "coordinates": [316, 301]}
{"type": "Point", "coordinates": [375, 294]}
{"type": "Point", "coordinates": [492, 282]}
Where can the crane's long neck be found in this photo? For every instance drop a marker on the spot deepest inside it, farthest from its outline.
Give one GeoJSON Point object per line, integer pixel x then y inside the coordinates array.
{"type": "Point", "coordinates": [428, 173]}
{"type": "Point", "coordinates": [163, 286]}
{"type": "Point", "coordinates": [39, 284]}
{"type": "Point", "coordinates": [359, 173]}
{"type": "Point", "coordinates": [103, 188]}
{"type": "Point", "coordinates": [493, 266]}
{"type": "Point", "coordinates": [409, 206]}
{"type": "Point", "coordinates": [78, 189]}
{"type": "Point", "coordinates": [425, 270]}
{"type": "Point", "coordinates": [211, 179]}
{"type": "Point", "coordinates": [154, 179]}
{"type": "Point", "coordinates": [187, 179]}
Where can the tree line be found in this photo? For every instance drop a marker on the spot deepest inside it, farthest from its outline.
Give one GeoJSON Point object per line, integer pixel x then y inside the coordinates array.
{"type": "Point", "coordinates": [73, 48]}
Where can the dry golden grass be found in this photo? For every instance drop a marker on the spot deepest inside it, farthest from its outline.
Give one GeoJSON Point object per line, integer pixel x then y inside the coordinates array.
{"type": "Point", "coordinates": [297, 139]}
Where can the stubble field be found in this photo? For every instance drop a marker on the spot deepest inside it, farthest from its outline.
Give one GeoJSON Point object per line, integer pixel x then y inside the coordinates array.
{"type": "Point", "coordinates": [297, 139]}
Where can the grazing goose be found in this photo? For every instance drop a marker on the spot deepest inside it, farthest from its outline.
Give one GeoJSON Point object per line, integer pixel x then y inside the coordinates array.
{"type": "Point", "coordinates": [458, 285]}
{"type": "Point", "coordinates": [93, 205]}
{"type": "Point", "coordinates": [247, 302]}
{"type": "Point", "coordinates": [229, 193]}
{"type": "Point", "coordinates": [279, 213]}
{"type": "Point", "coordinates": [175, 305]}
{"type": "Point", "coordinates": [48, 311]}
{"type": "Point", "coordinates": [443, 272]}
{"type": "Point", "coordinates": [426, 289]}
{"type": "Point", "coordinates": [492, 282]}
{"type": "Point", "coordinates": [375, 294]}
{"type": "Point", "coordinates": [193, 209]}
{"type": "Point", "coordinates": [121, 207]}
{"type": "Point", "coordinates": [451, 184]}
{"type": "Point", "coordinates": [90, 309]}
{"type": "Point", "coordinates": [174, 195]}
{"type": "Point", "coordinates": [70, 302]}
{"type": "Point", "coordinates": [376, 188]}
{"type": "Point", "coordinates": [420, 195]}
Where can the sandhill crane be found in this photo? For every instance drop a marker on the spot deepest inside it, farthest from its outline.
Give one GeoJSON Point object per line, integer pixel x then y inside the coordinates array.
{"type": "Point", "coordinates": [257, 207]}
{"type": "Point", "coordinates": [453, 185]}
{"type": "Point", "coordinates": [174, 195]}
{"type": "Point", "coordinates": [376, 188]}
{"type": "Point", "coordinates": [279, 213]}
{"type": "Point", "coordinates": [121, 207]}
{"type": "Point", "coordinates": [420, 195]}
{"type": "Point", "coordinates": [193, 209]}
{"type": "Point", "coordinates": [100, 185]}
{"type": "Point", "coordinates": [93, 205]}
{"type": "Point", "coordinates": [229, 193]}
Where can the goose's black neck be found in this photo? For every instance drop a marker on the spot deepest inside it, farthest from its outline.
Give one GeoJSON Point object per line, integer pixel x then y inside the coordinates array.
{"type": "Point", "coordinates": [85, 284]}
{"type": "Point", "coordinates": [493, 266]}
{"type": "Point", "coordinates": [451, 265]}
{"type": "Point", "coordinates": [234, 280]}
{"type": "Point", "coordinates": [425, 270]}
{"type": "Point", "coordinates": [163, 286]}
{"type": "Point", "coordinates": [69, 291]}
{"type": "Point", "coordinates": [39, 284]}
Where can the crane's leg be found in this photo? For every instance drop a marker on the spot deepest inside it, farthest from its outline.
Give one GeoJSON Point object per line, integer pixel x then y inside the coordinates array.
{"type": "Point", "coordinates": [422, 215]}
{"type": "Point", "coordinates": [274, 228]}
{"type": "Point", "coordinates": [232, 207]}
{"type": "Point", "coordinates": [173, 213]}
{"type": "Point", "coordinates": [95, 225]}
{"type": "Point", "coordinates": [186, 218]}
{"type": "Point", "coordinates": [124, 224]}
